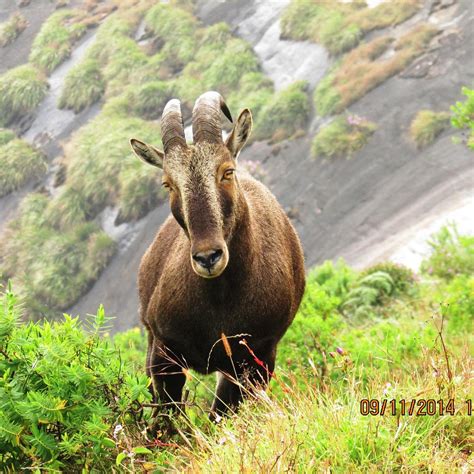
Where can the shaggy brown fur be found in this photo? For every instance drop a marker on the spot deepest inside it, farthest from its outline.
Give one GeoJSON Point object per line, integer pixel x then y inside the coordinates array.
{"type": "Point", "coordinates": [256, 294]}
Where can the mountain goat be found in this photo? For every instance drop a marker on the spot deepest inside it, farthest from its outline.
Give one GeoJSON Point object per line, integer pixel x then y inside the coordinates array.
{"type": "Point", "coordinates": [226, 265]}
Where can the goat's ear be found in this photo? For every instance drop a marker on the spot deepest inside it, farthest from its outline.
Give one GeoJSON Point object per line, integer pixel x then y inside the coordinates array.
{"type": "Point", "coordinates": [240, 133]}
{"type": "Point", "coordinates": [147, 153]}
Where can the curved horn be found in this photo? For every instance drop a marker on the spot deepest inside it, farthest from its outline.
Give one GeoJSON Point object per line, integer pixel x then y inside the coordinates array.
{"type": "Point", "coordinates": [207, 124]}
{"type": "Point", "coordinates": [172, 126]}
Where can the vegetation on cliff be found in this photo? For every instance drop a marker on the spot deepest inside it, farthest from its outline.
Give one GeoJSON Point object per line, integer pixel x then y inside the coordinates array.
{"type": "Point", "coordinates": [73, 398]}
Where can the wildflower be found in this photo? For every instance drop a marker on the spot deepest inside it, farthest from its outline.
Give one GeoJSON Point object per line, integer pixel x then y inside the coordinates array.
{"type": "Point", "coordinates": [117, 430]}
{"type": "Point", "coordinates": [340, 350]}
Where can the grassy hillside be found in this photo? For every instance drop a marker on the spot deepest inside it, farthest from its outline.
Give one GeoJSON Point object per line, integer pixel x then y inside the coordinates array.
{"type": "Point", "coordinates": [74, 398]}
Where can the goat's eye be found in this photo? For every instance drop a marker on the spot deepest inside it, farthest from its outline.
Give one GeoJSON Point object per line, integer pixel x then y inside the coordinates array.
{"type": "Point", "coordinates": [228, 174]}
{"type": "Point", "coordinates": [166, 185]}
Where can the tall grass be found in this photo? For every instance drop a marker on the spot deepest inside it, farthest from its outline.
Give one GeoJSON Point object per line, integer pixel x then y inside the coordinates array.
{"type": "Point", "coordinates": [83, 86]}
{"type": "Point", "coordinates": [21, 90]}
{"type": "Point", "coordinates": [54, 42]}
{"type": "Point", "coordinates": [427, 125]}
{"type": "Point", "coordinates": [12, 28]}
{"type": "Point", "coordinates": [20, 164]}
{"type": "Point", "coordinates": [342, 137]}
{"type": "Point", "coordinates": [340, 26]}
{"type": "Point", "coordinates": [363, 69]}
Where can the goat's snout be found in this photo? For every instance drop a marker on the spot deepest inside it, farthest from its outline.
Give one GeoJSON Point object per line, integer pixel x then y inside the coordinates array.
{"type": "Point", "coordinates": [209, 258]}
{"type": "Point", "coordinates": [210, 261]}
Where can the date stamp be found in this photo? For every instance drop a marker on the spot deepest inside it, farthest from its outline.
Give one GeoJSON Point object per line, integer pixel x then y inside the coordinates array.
{"type": "Point", "coordinates": [415, 407]}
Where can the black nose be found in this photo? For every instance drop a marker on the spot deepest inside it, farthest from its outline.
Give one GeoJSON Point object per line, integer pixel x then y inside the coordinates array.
{"type": "Point", "coordinates": [208, 259]}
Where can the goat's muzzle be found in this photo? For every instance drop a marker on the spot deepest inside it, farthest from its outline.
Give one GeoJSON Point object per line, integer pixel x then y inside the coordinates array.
{"type": "Point", "coordinates": [210, 262]}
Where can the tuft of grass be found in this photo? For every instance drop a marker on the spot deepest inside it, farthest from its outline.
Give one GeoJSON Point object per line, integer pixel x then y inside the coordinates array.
{"type": "Point", "coordinates": [342, 137]}
{"type": "Point", "coordinates": [6, 136]}
{"type": "Point", "coordinates": [98, 153]}
{"type": "Point", "coordinates": [427, 125]}
{"type": "Point", "coordinates": [54, 42]}
{"type": "Point", "coordinates": [12, 28]}
{"type": "Point", "coordinates": [21, 91]}
{"type": "Point", "coordinates": [52, 269]}
{"type": "Point", "coordinates": [340, 26]}
{"type": "Point", "coordinates": [20, 164]}
{"type": "Point", "coordinates": [363, 69]}
{"type": "Point", "coordinates": [176, 28]}
{"type": "Point", "coordinates": [286, 112]}
{"type": "Point", "coordinates": [83, 86]}
{"type": "Point", "coordinates": [140, 192]}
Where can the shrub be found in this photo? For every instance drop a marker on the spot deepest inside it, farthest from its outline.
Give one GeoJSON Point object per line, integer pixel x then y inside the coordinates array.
{"type": "Point", "coordinates": [54, 42]}
{"type": "Point", "coordinates": [451, 254]}
{"type": "Point", "coordinates": [68, 401]}
{"type": "Point", "coordinates": [335, 279]}
{"type": "Point", "coordinates": [427, 125]}
{"type": "Point", "coordinates": [83, 86]}
{"type": "Point", "coordinates": [404, 282]}
{"type": "Point", "coordinates": [285, 113]}
{"type": "Point", "coordinates": [463, 116]}
{"type": "Point", "coordinates": [343, 136]}
{"type": "Point", "coordinates": [20, 164]}
{"type": "Point", "coordinates": [21, 90]}
{"type": "Point", "coordinates": [457, 300]}
{"type": "Point", "coordinates": [369, 291]}
{"type": "Point", "coordinates": [12, 28]}
{"type": "Point", "coordinates": [362, 69]}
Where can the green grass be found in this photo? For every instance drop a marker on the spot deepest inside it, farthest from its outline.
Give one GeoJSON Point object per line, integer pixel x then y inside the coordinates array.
{"type": "Point", "coordinates": [54, 42]}
{"type": "Point", "coordinates": [452, 254]}
{"type": "Point", "coordinates": [341, 26]}
{"type": "Point", "coordinates": [92, 183]}
{"type": "Point", "coordinates": [6, 136]}
{"type": "Point", "coordinates": [363, 68]}
{"type": "Point", "coordinates": [463, 116]}
{"type": "Point", "coordinates": [427, 125]}
{"type": "Point", "coordinates": [12, 28]}
{"type": "Point", "coordinates": [83, 400]}
{"type": "Point", "coordinates": [342, 137]}
{"type": "Point", "coordinates": [21, 90]}
{"type": "Point", "coordinates": [20, 163]}
{"type": "Point", "coordinates": [83, 86]}
{"type": "Point", "coordinates": [285, 113]}
{"type": "Point", "coordinates": [176, 28]}
{"type": "Point", "coordinates": [52, 269]}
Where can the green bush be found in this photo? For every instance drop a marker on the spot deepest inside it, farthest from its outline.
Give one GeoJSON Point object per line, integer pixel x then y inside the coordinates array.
{"type": "Point", "coordinates": [335, 279]}
{"type": "Point", "coordinates": [21, 163]}
{"type": "Point", "coordinates": [427, 125]}
{"type": "Point", "coordinates": [68, 401]}
{"type": "Point", "coordinates": [284, 114]}
{"type": "Point", "coordinates": [404, 282]}
{"type": "Point", "coordinates": [326, 96]}
{"type": "Point", "coordinates": [12, 28]}
{"type": "Point", "coordinates": [369, 291]}
{"type": "Point", "coordinates": [457, 300]}
{"type": "Point", "coordinates": [21, 91]}
{"type": "Point", "coordinates": [54, 42]}
{"type": "Point", "coordinates": [451, 254]}
{"type": "Point", "coordinates": [463, 115]}
{"type": "Point", "coordinates": [83, 86]}
{"type": "Point", "coordinates": [342, 137]}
